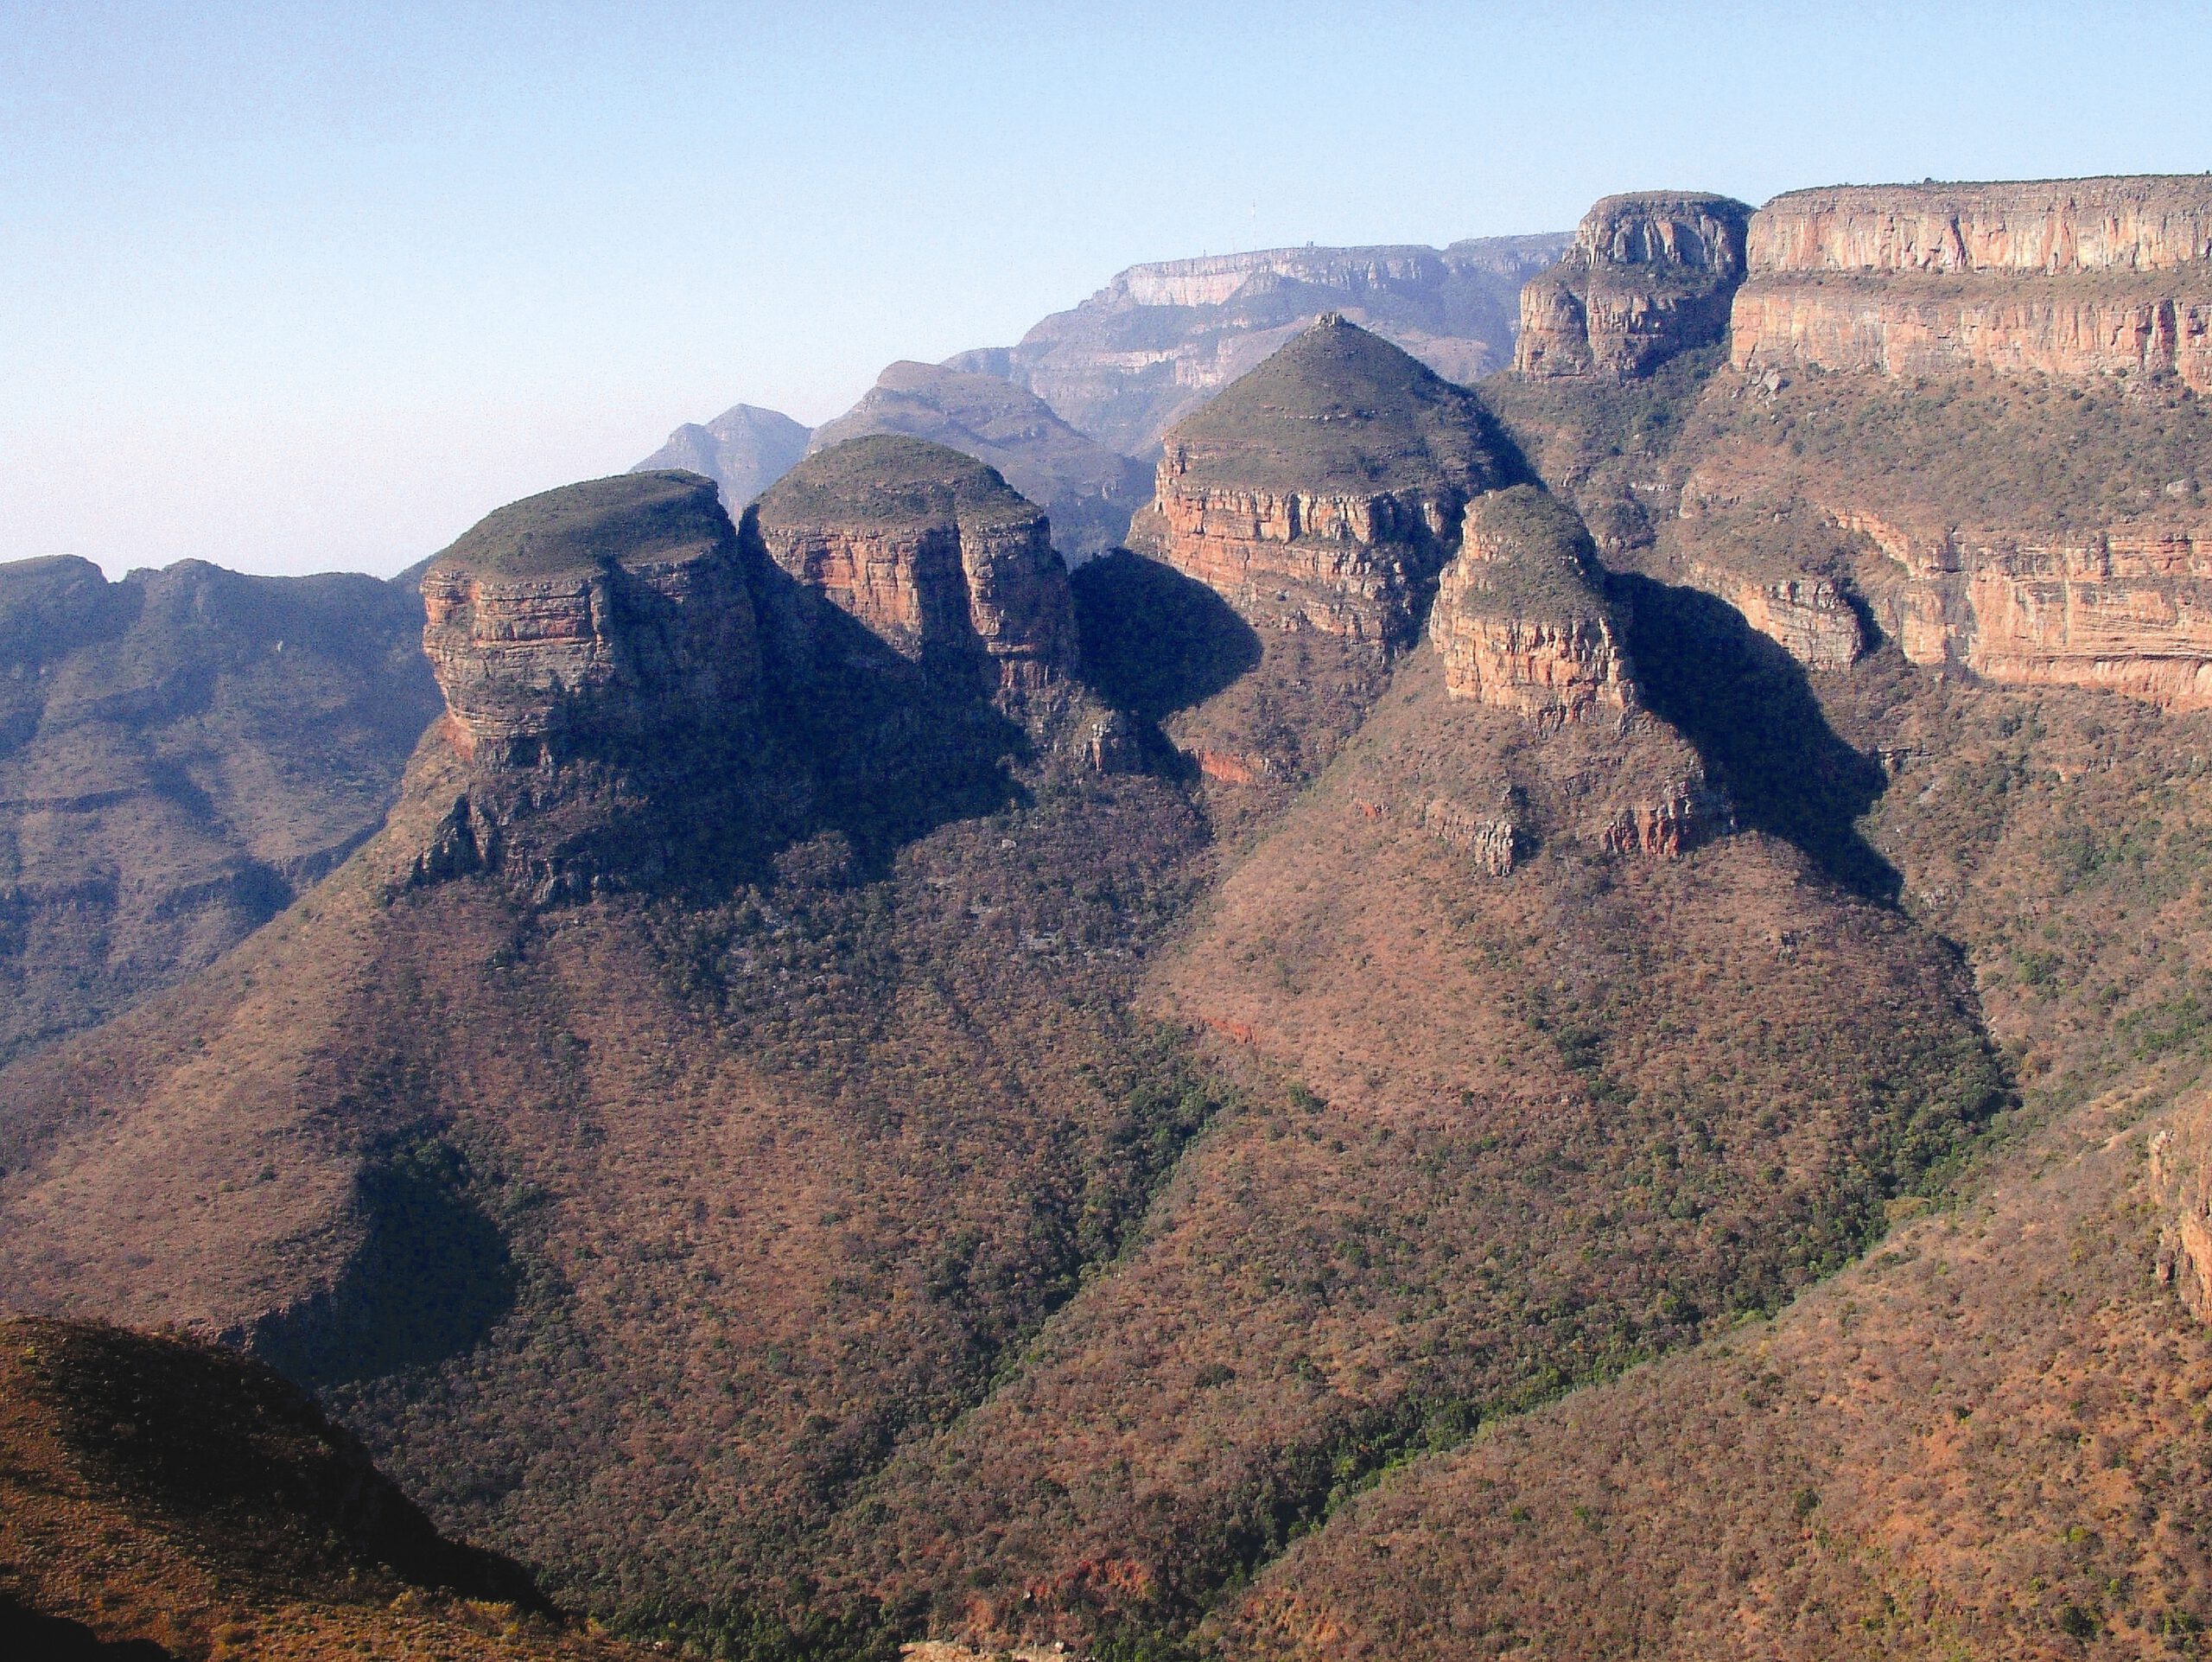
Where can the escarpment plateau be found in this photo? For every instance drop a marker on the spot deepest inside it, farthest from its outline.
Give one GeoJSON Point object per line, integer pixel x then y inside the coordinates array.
{"type": "Point", "coordinates": [1160, 340]}
{"type": "Point", "coordinates": [1323, 491]}
{"type": "Point", "coordinates": [1648, 276]}
{"type": "Point", "coordinates": [2068, 277]}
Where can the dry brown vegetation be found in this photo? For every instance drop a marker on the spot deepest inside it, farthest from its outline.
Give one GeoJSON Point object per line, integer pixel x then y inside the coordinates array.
{"type": "Point", "coordinates": [160, 1497]}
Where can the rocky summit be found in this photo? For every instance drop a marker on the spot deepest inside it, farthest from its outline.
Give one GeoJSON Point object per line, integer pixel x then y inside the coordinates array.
{"type": "Point", "coordinates": [932, 552]}
{"type": "Point", "coordinates": [612, 606]}
{"type": "Point", "coordinates": [1649, 275]}
{"type": "Point", "coordinates": [1088, 490]}
{"type": "Point", "coordinates": [1324, 489]}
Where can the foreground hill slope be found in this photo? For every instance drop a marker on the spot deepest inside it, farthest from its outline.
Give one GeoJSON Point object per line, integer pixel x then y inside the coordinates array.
{"type": "Point", "coordinates": [163, 1498]}
{"type": "Point", "coordinates": [181, 753]}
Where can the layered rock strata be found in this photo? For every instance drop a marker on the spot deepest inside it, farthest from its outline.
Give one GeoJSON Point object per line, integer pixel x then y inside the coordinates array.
{"type": "Point", "coordinates": [1324, 490]}
{"type": "Point", "coordinates": [1519, 621]}
{"type": "Point", "coordinates": [1648, 276]}
{"type": "Point", "coordinates": [2130, 613]}
{"type": "Point", "coordinates": [601, 610]}
{"type": "Point", "coordinates": [931, 552]}
{"type": "Point", "coordinates": [2070, 277]}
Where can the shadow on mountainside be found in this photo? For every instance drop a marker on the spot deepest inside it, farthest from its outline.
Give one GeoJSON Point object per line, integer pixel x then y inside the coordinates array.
{"type": "Point", "coordinates": [433, 1277]}
{"type": "Point", "coordinates": [1155, 641]}
{"type": "Point", "coordinates": [1749, 708]}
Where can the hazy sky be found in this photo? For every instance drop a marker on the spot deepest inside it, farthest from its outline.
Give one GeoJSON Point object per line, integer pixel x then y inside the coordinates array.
{"type": "Point", "coordinates": [296, 288]}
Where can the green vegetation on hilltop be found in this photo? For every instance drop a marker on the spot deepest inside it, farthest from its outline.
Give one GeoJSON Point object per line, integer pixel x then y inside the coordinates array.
{"type": "Point", "coordinates": [1339, 409]}
{"type": "Point", "coordinates": [1989, 453]}
{"type": "Point", "coordinates": [890, 479]}
{"type": "Point", "coordinates": [630, 520]}
{"type": "Point", "coordinates": [1540, 562]}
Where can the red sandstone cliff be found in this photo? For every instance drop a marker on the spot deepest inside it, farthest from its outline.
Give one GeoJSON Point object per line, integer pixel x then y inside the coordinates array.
{"type": "Point", "coordinates": [1519, 621]}
{"type": "Point", "coordinates": [930, 552]}
{"type": "Point", "coordinates": [1649, 275]}
{"type": "Point", "coordinates": [608, 607]}
{"type": "Point", "coordinates": [2068, 277]}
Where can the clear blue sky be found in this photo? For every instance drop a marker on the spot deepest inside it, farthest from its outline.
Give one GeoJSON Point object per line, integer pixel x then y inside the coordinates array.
{"type": "Point", "coordinates": [296, 287]}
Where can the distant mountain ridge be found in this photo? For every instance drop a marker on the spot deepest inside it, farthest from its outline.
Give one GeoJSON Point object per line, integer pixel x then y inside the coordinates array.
{"type": "Point", "coordinates": [1124, 365]}
{"type": "Point", "coordinates": [1088, 490]}
{"type": "Point", "coordinates": [744, 450]}
{"type": "Point", "coordinates": [1159, 339]}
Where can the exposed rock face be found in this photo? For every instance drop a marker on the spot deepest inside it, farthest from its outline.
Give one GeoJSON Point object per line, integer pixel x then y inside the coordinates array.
{"type": "Point", "coordinates": [1159, 339]}
{"type": "Point", "coordinates": [1807, 616]}
{"type": "Point", "coordinates": [600, 609]}
{"type": "Point", "coordinates": [1648, 275]}
{"type": "Point", "coordinates": [2181, 1181]}
{"type": "Point", "coordinates": [931, 552]}
{"type": "Point", "coordinates": [1519, 619]}
{"type": "Point", "coordinates": [1323, 490]}
{"type": "Point", "coordinates": [744, 450]}
{"type": "Point", "coordinates": [2071, 277]}
{"type": "Point", "coordinates": [1089, 491]}
{"type": "Point", "coordinates": [2130, 614]}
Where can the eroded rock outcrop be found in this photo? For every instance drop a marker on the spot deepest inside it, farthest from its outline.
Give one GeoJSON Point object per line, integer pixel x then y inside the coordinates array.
{"type": "Point", "coordinates": [2181, 1185]}
{"type": "Point", "coordinates": [599, 610]}
{"type": "Point", "coordinates": [2071, 277]}
{"type": "Point", "coordinates": [1520, 621]}
{"type": "Point", "coordinates": [1324, 490]}
{"type": "Point", "coordinates": [931, 552]}
{"type": "Point", "coordinates": [1649, 275]}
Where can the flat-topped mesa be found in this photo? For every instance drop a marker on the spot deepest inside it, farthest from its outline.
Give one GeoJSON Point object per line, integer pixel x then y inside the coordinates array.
{"type": "Point", "coordinates": [607, 608]}
{"type": "Point", "coordinates": [2070, 277]}
{"type": "Point", "coordinates": [1324, 489]}
{"type": "Point", "coordinates": [1649, 275]}
{"type": "Point", "coordinates": [929, 550]}
{"type": "Point", "coordinates": [1520, 621]}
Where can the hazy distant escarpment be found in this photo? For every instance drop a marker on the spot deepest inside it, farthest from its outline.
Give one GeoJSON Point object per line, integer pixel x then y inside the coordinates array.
{"type": "Point", "coordinates": [1160, 340]}
{"type": "Point", "coordinates": [181, 753]}
{"type": "Point", "coordinates": [744, 450]}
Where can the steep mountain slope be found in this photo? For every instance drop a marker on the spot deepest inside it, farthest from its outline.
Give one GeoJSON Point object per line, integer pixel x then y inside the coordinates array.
{"type": "Point", "coordinates": [744, 450]}
{"type": "Point", "coordinates": [1160, 340]}
{"type": "Point", "coordinates": [634, 1232]}
{"type": "Point", "coordinates": [181, 753]}
{"type": "Point", "coordinates": [1984, 1441]}
{"type": "Point", "coordinates": [160, 1498]}
{"type": "Point", "coordinates": [1537, 1071]}
{"type": "Point", "coordinates": [1088, 490]}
